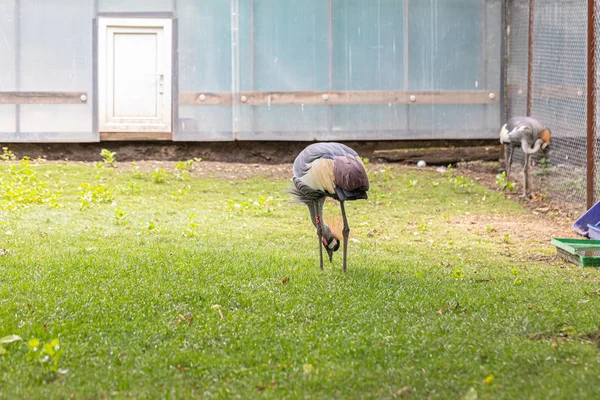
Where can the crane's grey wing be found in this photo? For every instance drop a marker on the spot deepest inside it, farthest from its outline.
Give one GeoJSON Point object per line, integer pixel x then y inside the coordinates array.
{"type": "Point", "coordinates": [518, 121]}
{"type": "Point", "coordinates": [349, 173]}
{"type": "Point", "coordinates": [352, 181]}
{"type": "Point", "coordinates": [316, 151]}
{"type": "Point", "coordinates": [516, 130]}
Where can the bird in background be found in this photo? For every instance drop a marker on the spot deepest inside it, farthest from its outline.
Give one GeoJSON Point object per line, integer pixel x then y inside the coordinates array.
{"type": "Point", "coordinates": [329, 170]}
{"type": "Point", "coordinates": [531, 135]}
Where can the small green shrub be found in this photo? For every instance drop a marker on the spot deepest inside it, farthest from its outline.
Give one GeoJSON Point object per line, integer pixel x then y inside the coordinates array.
{"type": "Point", "coordinates": [503, 183]}
{"type": "Point", "coordinates": [159, 176]}
{"type": "Point", "coordinates": [109, 157]}
{"type": "Point", "coordinates": [90, 194]}
{"type": "Point", "coordinates": [22, 186]}
{"type": "Point", "coordinates": [120, 217]}
{"type": "Point", "coordinates": [7, 155]}
{"type": "Point", "coordinates": [192, 227]}
{"type": "Point", "coordinates": [46, 354]}
{"type": "Point", "coordinates": [263, 205]}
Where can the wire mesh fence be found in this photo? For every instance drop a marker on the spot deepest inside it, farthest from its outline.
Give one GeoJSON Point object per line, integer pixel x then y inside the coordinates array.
{"type": "Point", "coordinates": [558, 90]}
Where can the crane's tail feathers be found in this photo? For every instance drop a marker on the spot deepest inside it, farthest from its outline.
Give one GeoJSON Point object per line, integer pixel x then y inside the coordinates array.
{"type": "Point", "coordinates": [298, 197]}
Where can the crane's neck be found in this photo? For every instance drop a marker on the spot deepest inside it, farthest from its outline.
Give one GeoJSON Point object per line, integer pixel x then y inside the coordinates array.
{"type": "Point", "coordinates": [312, 208]}
{"type": "Point", "coordinates": [534, 149]}
{"type": "Point", "coordinates": [319, 218]}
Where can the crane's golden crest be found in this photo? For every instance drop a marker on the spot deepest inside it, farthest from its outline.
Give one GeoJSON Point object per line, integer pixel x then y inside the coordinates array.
{"type": "Point", "coordinates": [545, 136]}
{"type": "Point", "coordinates": [336, 225]}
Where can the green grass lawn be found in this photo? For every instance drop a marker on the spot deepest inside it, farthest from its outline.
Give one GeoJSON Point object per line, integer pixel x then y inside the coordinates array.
{"type": "Point", "coordinates": [210, 288]}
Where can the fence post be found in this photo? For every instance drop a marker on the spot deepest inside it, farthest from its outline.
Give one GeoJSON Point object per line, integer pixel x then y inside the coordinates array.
{"type": "Point", "coordinates": [591, 101]}
{"type": "Point", "coordinates": [530, 58]}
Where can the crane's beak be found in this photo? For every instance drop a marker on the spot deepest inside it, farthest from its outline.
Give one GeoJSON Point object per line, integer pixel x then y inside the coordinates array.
{"type": "Point", "coordinates": [329, 253]}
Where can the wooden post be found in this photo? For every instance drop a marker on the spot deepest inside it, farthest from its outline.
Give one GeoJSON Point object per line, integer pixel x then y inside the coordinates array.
{"type": "Point", "coordinates": [591, 102]}
{"type": "Point", "coordinates": [530, 57]}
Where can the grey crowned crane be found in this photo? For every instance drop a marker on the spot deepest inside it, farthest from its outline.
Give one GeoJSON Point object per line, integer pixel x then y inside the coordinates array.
{"type": "Point", "coordinates": [329, 170]}
{"type": "Point", "coordinates": [531, 135]}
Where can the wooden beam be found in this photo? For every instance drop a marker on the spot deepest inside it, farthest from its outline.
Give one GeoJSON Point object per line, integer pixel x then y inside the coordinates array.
{"type": "Point", "coordinates": [43, 98]}
{"type": "Point", "coordinates": [204, 99]}
{"type": "Point", "coordinates": [439, 156]}
{"type": "Point", "coordinates": [135, 136]}
{"type": "Point", "coordinates": [342, 97]}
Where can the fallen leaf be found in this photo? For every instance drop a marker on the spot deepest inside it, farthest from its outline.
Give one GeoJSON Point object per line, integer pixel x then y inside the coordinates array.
{"type": "Point", "coordinates": [308, 368]}
{"type": "Point", "coordinates": [470, 395]}
{"type": "Point", "coordinates": [402, 392]}
{"type": "Point", "coordinates": [489, 379]}
{"type": "Point", "coordinates": [285, 280]}
{"type": "Point", "coordinates": [10, 339]}
{"type": "Point", "coordinates": [374, 232]}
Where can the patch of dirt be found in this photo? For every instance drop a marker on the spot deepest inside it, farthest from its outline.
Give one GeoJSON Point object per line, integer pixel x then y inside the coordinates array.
{"type": "Point", "coordinates": [204, 169]}
{"type": "Point", "coordinates": [531, 232]}
{"type": "Point", "coordinates": [568, 336]}
{"type": "Point", "coordinates": [271, 152]}
{"type": "Point", "coordinates": [485, 174]}
{"type": "Point", "coordinates": [532, 228]}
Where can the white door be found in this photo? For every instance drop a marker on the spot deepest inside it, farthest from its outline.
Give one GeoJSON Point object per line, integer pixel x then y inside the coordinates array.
{"type": "Point", "coordinates": [134, 75]}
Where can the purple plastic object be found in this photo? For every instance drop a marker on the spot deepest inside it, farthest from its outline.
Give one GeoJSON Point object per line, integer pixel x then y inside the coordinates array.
{"type": "Point", "coordinates": [594, 232]}
{"type": "Point", "coordinates": [590, 217]}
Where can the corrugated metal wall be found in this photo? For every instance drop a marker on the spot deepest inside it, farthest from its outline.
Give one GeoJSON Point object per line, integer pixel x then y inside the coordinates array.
{"type": "Point", "coordinates": [348, 69]}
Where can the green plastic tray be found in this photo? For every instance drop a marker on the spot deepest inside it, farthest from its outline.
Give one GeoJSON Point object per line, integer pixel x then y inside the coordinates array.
{"type": "Point", "coordinates": [582, 252]}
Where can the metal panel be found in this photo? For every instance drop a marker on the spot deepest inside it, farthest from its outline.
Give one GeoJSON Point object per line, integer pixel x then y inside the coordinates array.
{"type": "Point", "coordinates": [8, 62]}
{"type": "Point", "coordinates": [55, 56]}
{"type": "Point", "coordinates": [204, 66]}
{"type": "Point", "coordinates": [48, 137]}
{"type": "Point", "coordinates": [135, 5]}
{"type": "Point", "coordinates": [290, 53]}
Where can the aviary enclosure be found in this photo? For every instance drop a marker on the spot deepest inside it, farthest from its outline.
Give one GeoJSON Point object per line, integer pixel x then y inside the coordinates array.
{"type": "Point", "coordinates": [268, 70]}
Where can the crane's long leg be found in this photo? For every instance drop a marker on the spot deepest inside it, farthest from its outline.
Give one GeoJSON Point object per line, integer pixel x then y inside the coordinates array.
{"type": "Point", "coordinates": [526, 178]}
{"type": "Point", "coordinates": [511, 149]}
{"type": "Point", "coordinates": [345, 233]}
{"type": "Point", "coordinates": [320, 235]}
